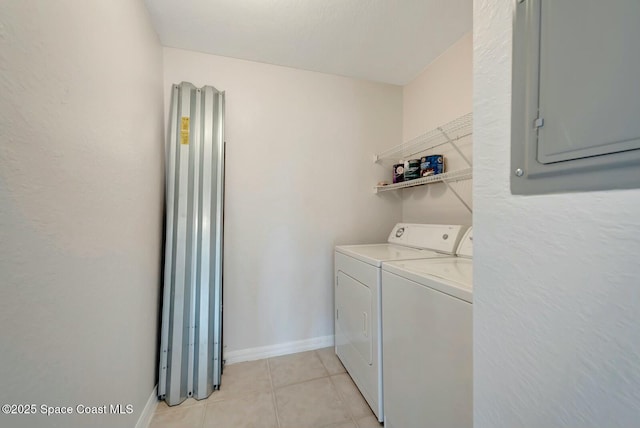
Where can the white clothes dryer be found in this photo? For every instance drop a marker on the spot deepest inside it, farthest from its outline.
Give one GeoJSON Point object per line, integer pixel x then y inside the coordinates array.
{"type": "Point", "coordinates": [427, 348]}
{"type": "Point", "coordinates": [358, 325]}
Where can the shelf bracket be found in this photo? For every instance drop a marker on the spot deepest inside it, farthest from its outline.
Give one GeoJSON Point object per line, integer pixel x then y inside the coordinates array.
{"type": "Point", "coordinates": [455, 146]}
{"type": "Point", "coordinates": [446, 182]}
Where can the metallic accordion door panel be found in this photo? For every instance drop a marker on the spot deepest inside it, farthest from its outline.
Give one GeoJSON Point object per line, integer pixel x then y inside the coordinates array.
{"type": "Point", "coordinates": [191, 345]}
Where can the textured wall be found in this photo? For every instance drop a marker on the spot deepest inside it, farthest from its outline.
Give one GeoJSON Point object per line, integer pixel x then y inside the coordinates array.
{"type": "Point", "coordinates": [440, 94]}
{"type": "Point", "coordinates": [299, 180]}
{"type": "Point", "coordinates": [81, 184]}
{"type": "Point", "coordinates": [556, 288]}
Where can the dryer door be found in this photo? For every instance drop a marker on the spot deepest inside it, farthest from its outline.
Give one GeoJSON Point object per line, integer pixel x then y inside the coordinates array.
{"type": "Point", "coordinates": [353, 316]}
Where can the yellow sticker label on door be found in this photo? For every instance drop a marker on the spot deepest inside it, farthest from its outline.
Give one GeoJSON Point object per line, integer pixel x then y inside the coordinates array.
{"type": "Point", "coordinates": [184, 131]}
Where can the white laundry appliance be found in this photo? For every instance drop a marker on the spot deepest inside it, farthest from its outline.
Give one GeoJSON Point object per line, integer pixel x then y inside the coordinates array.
{"type": "Point", "coordinates": [427, 348]}
{"type": "Point", "coordinates": [358, 325]}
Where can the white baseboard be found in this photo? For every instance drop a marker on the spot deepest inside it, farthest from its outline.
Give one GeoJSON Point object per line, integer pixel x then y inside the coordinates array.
{"type": "Point", "coordinates": [149, 409]}
{"type": "Point", "coordinates": [261, 352]}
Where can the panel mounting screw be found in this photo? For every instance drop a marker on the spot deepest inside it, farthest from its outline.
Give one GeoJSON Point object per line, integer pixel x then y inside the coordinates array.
{"type": "Point", "coordinates": [519, 172]}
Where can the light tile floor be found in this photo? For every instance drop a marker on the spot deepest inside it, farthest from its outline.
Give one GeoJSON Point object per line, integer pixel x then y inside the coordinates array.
{"type": "Point", "coordinates": [305, 390]}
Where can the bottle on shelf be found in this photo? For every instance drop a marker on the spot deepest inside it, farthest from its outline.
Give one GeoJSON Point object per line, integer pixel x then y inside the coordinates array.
{"type": "Point", "coordinates": [411, 169]}
{"type": "Point", "coordinates": [398, 172]}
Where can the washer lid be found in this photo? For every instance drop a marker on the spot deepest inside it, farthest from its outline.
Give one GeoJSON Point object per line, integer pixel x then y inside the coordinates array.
{"type": "Point", "coordinates": [375, 254]}
{"type": "Point", "coordinates": [465, 249]}
{"type": "Point", "coordinates": [450, 275]}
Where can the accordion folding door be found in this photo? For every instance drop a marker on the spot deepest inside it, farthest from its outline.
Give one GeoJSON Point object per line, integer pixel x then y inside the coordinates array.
{"type": "Point", "coordinates": [191, 337]}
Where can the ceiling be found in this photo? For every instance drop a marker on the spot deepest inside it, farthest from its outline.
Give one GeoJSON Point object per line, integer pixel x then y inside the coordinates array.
{"type": "Point", "coordinates": [388, 41]}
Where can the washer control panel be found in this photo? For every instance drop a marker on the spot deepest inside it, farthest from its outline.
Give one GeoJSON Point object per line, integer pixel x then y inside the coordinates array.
{"type": "Point", "coordinates": [443, 238]}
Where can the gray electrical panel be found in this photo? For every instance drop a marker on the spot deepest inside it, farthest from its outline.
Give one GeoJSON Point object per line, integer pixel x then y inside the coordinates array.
{"type": "Point", "coordinates": [576, 96]}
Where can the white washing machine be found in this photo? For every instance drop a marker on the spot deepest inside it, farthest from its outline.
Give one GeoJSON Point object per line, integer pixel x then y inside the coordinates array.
{"type": "Point", "coordinates": [358, 325]}
{"type": "Point", "coordinates": [427, 348]}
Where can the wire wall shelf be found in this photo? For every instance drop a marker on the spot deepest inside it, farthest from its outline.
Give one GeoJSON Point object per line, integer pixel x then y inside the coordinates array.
{"type": "Point", "coordinates": [462, 174]}
{"type": "Point", "coordinates": [448, 133]}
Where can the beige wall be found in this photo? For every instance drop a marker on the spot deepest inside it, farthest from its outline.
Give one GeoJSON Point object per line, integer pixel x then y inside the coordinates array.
{"type": "Point", "coordinates": [441, 93]}
{"type": "Point", "coordinates": [299, 180]}
{"type": "Point", "coordinates": [81, 187]}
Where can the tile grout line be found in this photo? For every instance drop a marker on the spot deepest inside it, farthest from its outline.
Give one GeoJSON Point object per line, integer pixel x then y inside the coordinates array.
{"type": "Point", "coordinates": [204, 415]}
{"type": "Point", "coordinates": [340, 396]}
{"type": "Point", "coordinates": [343, 401]}
{"type": "Point", "coordinates": [299, 382]}
{"type": "Point", "coordinates": [353, 418]}
{"type": "Point", "coordinates": [330, 376]}
{"type": "Point", "coordinates": [322, 362]}
{"type": "Point", "coordinates": [327, 374]}
{"type": "Point", "coordinates": [326, 369]}
{"type": "Point", "coordinates": [273, 393]}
